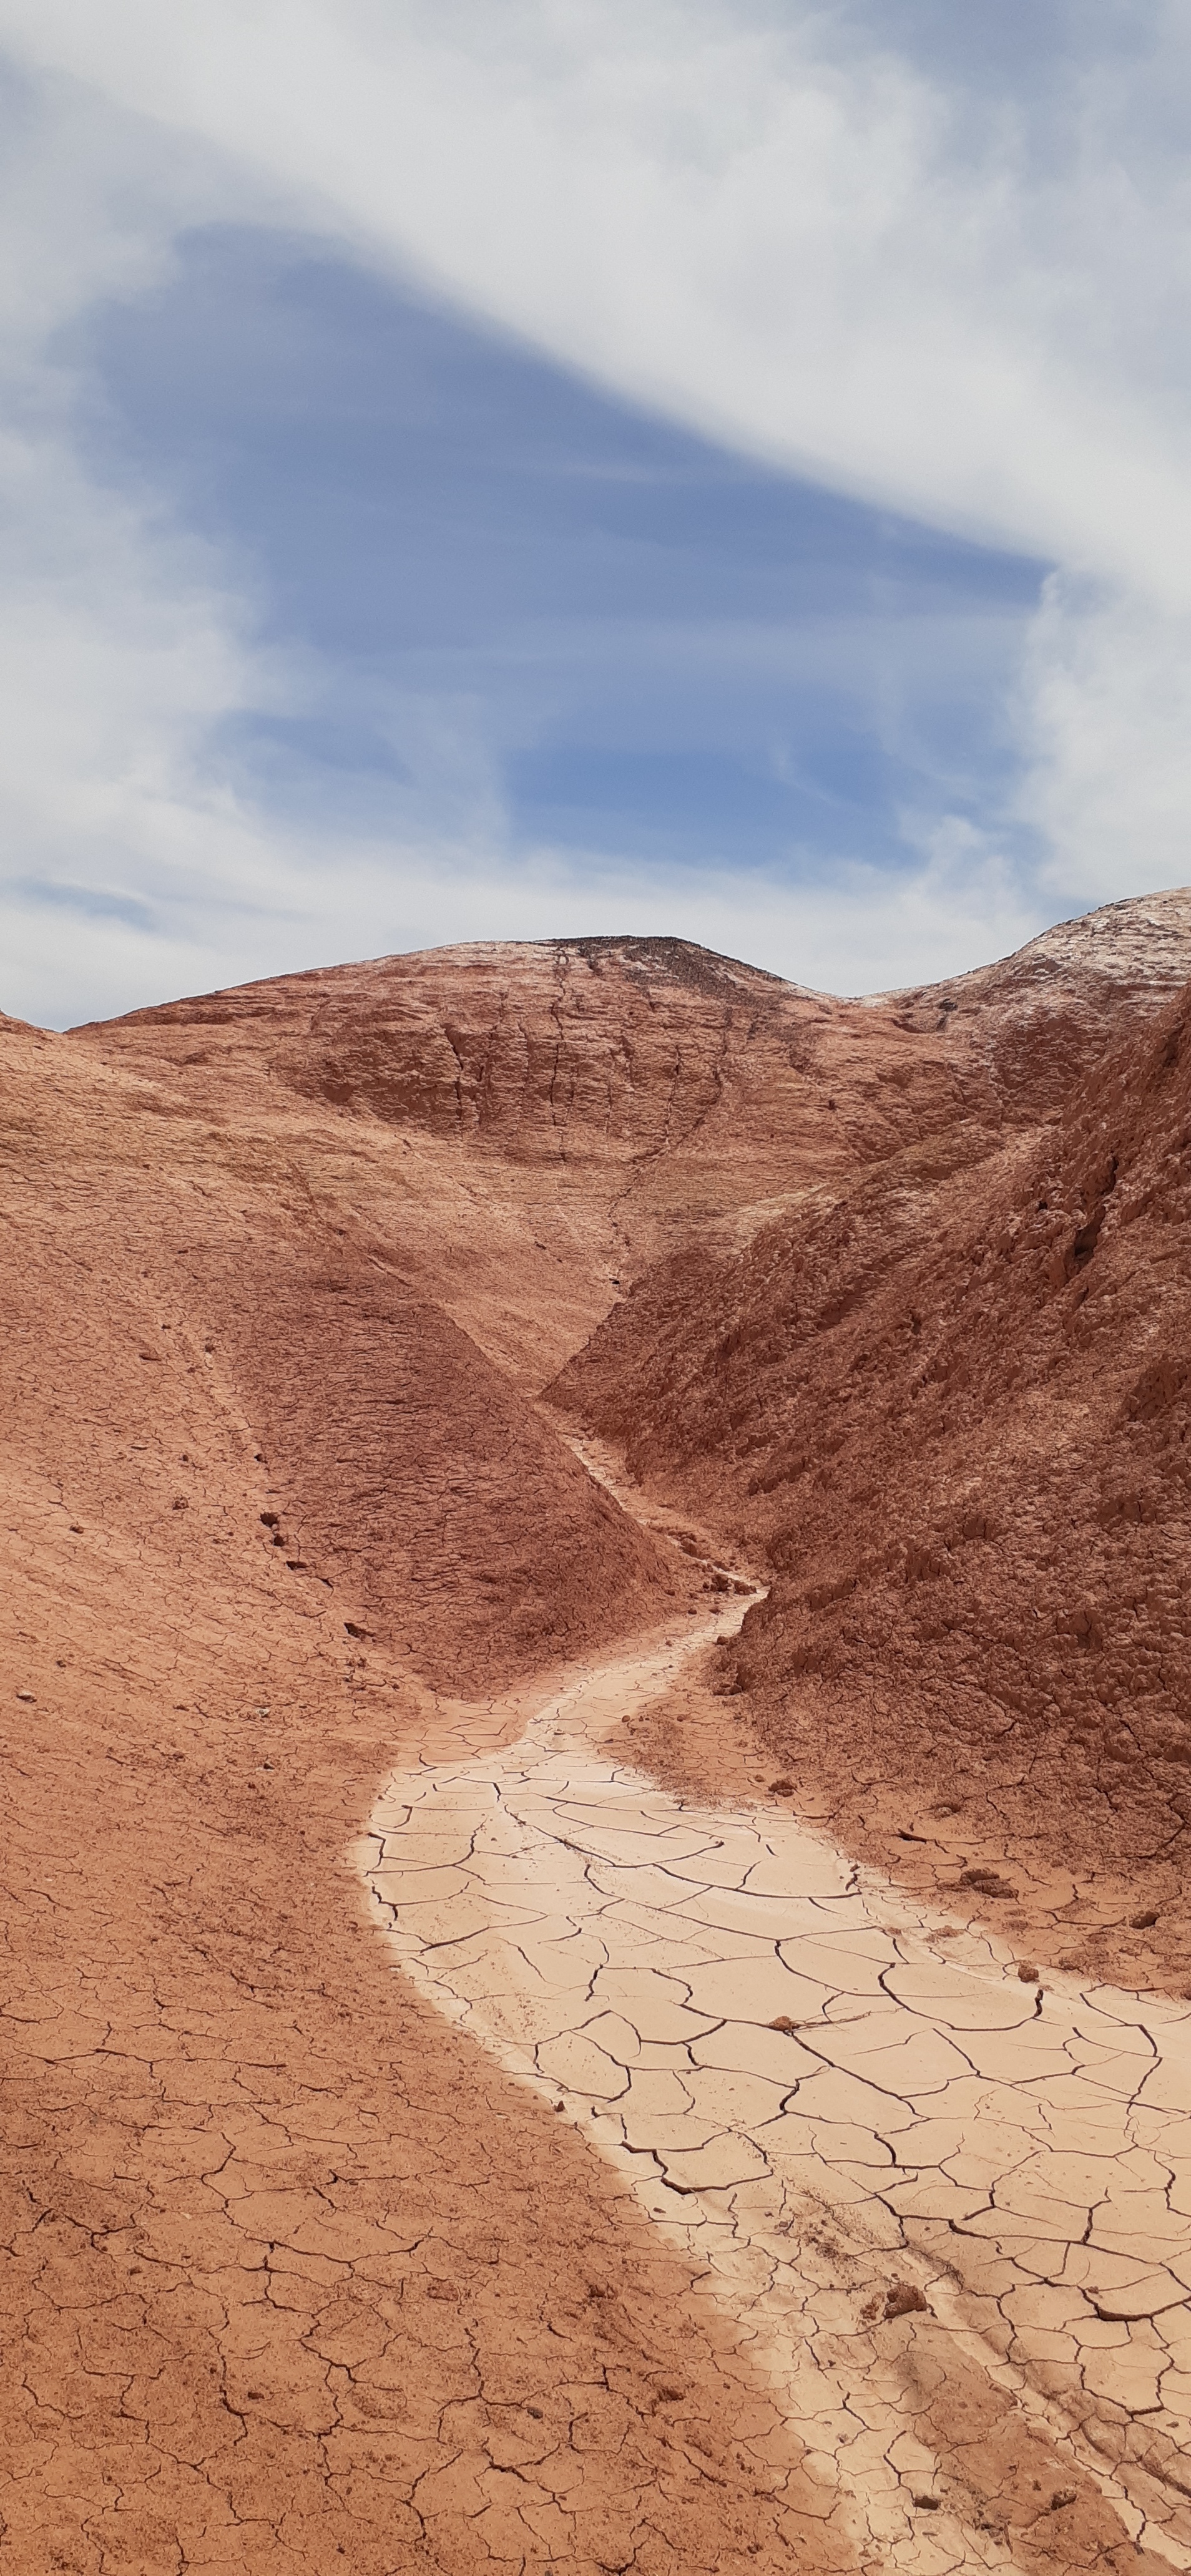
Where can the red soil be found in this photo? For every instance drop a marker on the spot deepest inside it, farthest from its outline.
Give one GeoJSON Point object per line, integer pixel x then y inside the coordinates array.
{"type": "Point", "coordinates": [953, 1422]}
{"type": "Point", "coordinates": [293, 2279]}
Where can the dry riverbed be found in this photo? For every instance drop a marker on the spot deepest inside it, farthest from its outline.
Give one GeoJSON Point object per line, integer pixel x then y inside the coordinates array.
{"type": "Point", "coordinates": [947, 2203]}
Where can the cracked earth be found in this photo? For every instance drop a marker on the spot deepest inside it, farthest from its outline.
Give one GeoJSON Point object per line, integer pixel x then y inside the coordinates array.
{"type": "Point", "coordinates": [899, 2158]}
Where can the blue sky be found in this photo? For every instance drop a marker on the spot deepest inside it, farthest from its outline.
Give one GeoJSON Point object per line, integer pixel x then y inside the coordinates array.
{"type": "Point", "coordinates": [719, 469]}
{"type": "Point", "coordinates": [522, 603]}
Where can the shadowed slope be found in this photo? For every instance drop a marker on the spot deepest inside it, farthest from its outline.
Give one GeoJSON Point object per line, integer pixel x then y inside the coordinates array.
{"type": "Point", "coordinates": [957, 1426]}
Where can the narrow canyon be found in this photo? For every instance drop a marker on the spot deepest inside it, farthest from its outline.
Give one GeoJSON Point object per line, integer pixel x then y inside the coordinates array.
{"type": "Point", "coordinates": [597, 1965]}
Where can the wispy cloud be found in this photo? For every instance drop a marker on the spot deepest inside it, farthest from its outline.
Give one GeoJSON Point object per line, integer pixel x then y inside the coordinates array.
{"type": "Point", "coordinates": [776, 224]}
{"type": "Point", "coordinates": [1105, 725]}
{"type": "Point", "coordinates": [826, 236]}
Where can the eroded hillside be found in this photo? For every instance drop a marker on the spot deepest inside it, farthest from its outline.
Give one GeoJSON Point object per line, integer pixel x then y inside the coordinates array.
{"type": "Point", "coordinates": [954, 1424]}
{"type": "Point", "coordinates": [528, 1128]}
{"type": "Point", "coordinates": [295, 2278]}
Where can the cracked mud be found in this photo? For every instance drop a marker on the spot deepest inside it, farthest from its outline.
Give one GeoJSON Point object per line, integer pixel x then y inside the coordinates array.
{"type": "Point", "coordinates": [848, 2110]}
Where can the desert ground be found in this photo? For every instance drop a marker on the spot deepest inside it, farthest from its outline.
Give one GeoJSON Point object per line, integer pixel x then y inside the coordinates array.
{"type": "Point", "coordinates": [597, 1962]}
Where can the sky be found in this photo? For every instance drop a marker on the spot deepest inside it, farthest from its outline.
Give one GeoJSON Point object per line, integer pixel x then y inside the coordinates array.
{"type": "Point", "coordinates": [708, 469]}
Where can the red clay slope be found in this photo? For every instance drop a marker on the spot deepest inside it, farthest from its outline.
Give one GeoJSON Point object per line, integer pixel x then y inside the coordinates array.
{"type": "Point", "coordinates": [527, 1128]}
{"type": "Point", "coordinates": [292, 2280]}
{"type": "Point", "coordinates": [955, 1424]}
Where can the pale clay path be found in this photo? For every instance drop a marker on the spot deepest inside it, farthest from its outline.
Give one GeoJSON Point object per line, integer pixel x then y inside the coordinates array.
{"type": "Point", "coordinates": [1024, 2158]}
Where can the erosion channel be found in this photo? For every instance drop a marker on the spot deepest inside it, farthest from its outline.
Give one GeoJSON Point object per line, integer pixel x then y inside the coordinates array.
{"type": "Point", "coordinates": [898, 2164]}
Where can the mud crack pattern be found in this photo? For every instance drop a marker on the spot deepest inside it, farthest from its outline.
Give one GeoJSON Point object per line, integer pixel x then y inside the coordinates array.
{"type": "Point", "coordinates": [890, 2154]}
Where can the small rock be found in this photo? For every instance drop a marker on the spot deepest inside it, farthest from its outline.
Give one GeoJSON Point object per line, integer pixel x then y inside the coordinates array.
{"type": "Point", "coordinates": [782, 2021]}
{"type": "Point", "coordinates": [1028, 1973]}
{"type": "Point", "coordinates": [1142, 1922]}
{"type": "Point", "coordinates": [781, 1788]}
{"type": "Point", "coordinates": [929, 2503]}
{"type": "Point", "coordinates": [987, 1882]}
{"type": "Point", "coordinates": [905, 2299]}
{"type": "Point", "coordinates": [1062, 2496]}
{"type": "Point", "coordinates": [29, 1697]}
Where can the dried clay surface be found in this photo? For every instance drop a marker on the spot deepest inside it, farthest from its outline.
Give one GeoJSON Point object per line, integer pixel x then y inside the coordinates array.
{"type": "Point", "coordinates": [949, 2206]}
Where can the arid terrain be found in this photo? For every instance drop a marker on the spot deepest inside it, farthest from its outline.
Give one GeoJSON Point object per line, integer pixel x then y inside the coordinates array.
{"type": "Point", "coordinates": [598, 1962]}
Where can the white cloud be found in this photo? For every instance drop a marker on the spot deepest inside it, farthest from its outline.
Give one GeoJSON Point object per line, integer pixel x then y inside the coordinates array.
{"type": "Point", "coordinates": [809, 246]}
{"type": "Point", "coordinates": [1105, 724]}
{"type": "Point", "coordinates": [134, 870]}
{"type": "Point", "coordinates": [758, 221]}
{"type": "Point", "coordinates": [118, 652]}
